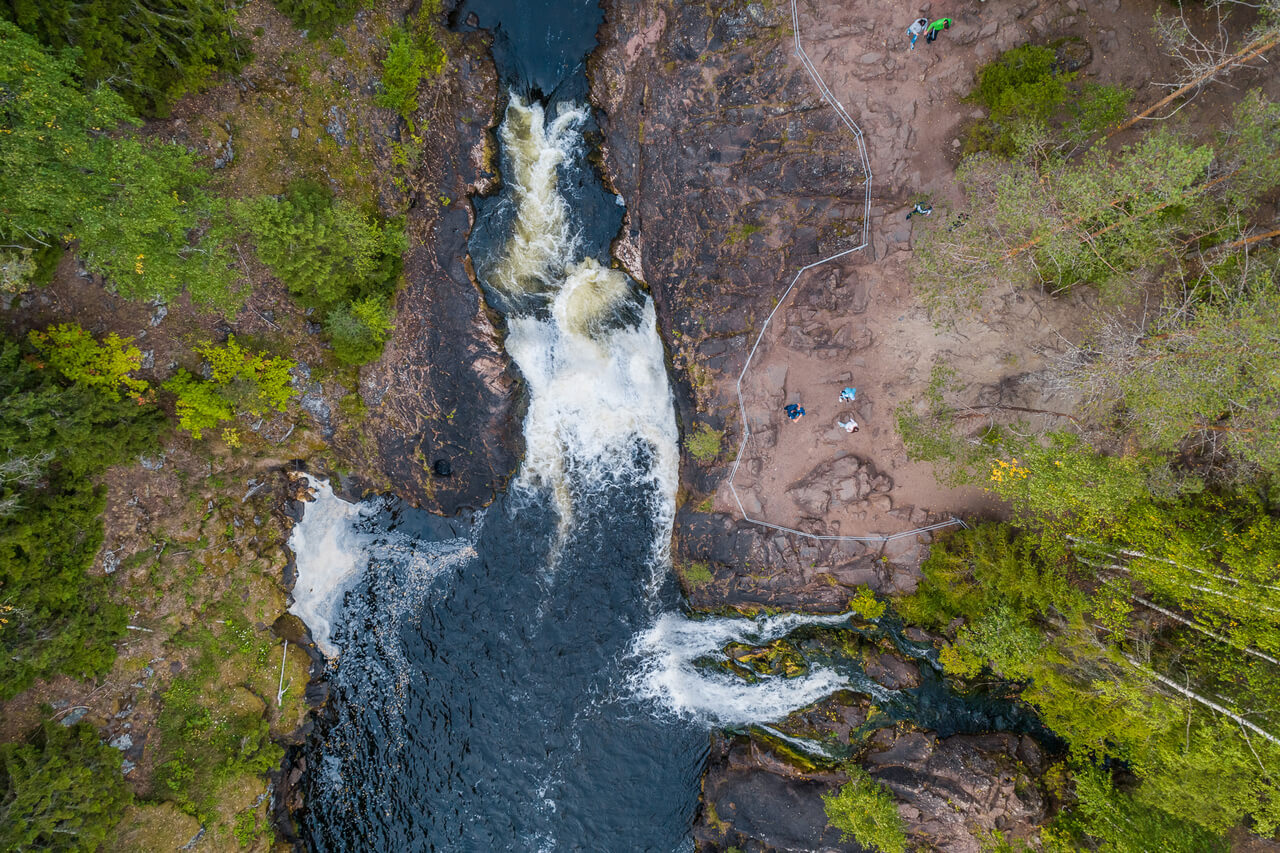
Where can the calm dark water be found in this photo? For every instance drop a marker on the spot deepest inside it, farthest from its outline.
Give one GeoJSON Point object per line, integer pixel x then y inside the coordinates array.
{"type": "Point", "coordinates": [506, 725]}
{"type": "Point", "coordinates": [540, 46]}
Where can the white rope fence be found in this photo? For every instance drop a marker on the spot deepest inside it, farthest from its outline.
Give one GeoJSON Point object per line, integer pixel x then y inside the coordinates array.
{"type": "Point", "coordinates": [866, 225]}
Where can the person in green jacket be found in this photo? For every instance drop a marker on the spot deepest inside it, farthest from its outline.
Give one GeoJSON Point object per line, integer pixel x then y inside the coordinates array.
{"type": "Point", "coordinates": [936, 27]}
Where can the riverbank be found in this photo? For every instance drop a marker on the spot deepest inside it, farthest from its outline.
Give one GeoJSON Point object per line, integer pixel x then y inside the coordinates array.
{"type": "Point", "coordinates": [738, 174]}
{"type": "Point", "coordinates": [194, 535]}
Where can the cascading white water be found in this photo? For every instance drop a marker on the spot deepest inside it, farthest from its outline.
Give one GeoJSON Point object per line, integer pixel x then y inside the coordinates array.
{"type": "Point", "coordinates": [596, 388]}
{"type": "Point", "coordinates": [669, 677]}
{"type": "Point", "coordinates": [330, 554]}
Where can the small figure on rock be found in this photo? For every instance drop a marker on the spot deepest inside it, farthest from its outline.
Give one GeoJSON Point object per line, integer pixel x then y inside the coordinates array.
{"type": "Point", "coordinates": [849, 394]}
{"type": "Point", "coordinates": [848, 426]}
{"type": "Point", "coordinates": [795, 412]}
{"type": "Point", "coordinates": [921, 208]}
{"type": "Point", "coordinates": [916, 29]}
{"type": "Point", "coordinates": [937, 27]}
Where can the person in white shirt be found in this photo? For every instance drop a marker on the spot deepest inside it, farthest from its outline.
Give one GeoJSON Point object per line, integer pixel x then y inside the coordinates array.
{"type": "Point", "coordinates": [916, 29]}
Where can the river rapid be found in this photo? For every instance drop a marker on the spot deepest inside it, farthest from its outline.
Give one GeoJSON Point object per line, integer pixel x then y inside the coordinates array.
{"type": "Point", "coordinates": [523, 679]}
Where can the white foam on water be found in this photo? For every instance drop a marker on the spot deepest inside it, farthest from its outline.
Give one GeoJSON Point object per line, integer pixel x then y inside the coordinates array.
{"type": "Point", "coordinates": [541, 242]}
{"type": "Point", "coordinates": [668, 677]}
{"type": "Point", "coordinates": [596, 387]}
{"type": "Point", "coordinates": [330, 555]}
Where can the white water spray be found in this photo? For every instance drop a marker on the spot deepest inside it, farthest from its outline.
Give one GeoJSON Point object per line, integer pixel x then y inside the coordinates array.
{"type": "Point", "coordinates": [596, 387]}
{"type": "Point", "coordinates": [330, 554]}
{"type": "Point", "coordinates": [669, 678]}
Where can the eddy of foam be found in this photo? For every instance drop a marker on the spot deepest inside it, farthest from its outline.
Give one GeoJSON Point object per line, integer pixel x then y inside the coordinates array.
{"type": "Point", "coordinates": [330, 555]}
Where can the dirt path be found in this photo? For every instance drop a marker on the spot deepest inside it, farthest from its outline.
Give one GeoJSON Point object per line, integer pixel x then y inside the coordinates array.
{"type": "Point", "coordinates": [855, 322]}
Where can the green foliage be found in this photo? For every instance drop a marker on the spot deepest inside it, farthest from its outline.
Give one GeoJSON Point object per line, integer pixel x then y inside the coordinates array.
{"type": "Point", "coordinates": [240, 382]}
{"type": "Point", "coordinates": [210, 733]}
{"type": "Point", "coordinates": [1020, 87]}
{"type": "Point", "coordinates": [106, 366]}
{"type": "Point", "coordinates": [151, 53]}
{"type": "Point", "coordinates": [63, 792]}
{"type": "Point", "coordinates": [408, 62]}
{"type": "Point", "coordinates": [320, 17]}
{"type": "Point", "coordinates": [64, 176]}
{"type": "Point", "coordinates": [1062, 482]}
{"type": "Point", "coordinates": [984, 568]}
{"type": "Point", "coordinates": [1030, 614]}
{"type": "Point", "coordinates": [359, 329]}
{"type": "Point", "coordinates": [864, 810]}
{"type": "Point", "coordinates": [334, 258]}
{"type": "Point", "coordinates": [1096, 220]}
{"type": "Point", "coordinates": [55, 617]}
{"type": "Point", "coordinates": [1096, 107]}
{"type": "Point", "coordinates": [324, 249]}
{"type": "Point", "coordinates": [1112, 219]}
{"type": "Point", "coordinates": [1209, 371]}
{"type": "Point", "coordinates": [865, 604]}
{"type": "Point", "coordinates": [1023, 91]}
{"type": "Point", "coordinates": [1246, 150]}
{"type": "Point", "coordinates": [696, 574]}
{"type": "Point", "coordinates": [704, 443]}
{"type": "Point", "coordinates": [1112, 821]}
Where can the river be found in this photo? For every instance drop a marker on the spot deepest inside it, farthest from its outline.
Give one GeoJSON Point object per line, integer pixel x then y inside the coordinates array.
{"type": "Point", "coordinates": [524, 678]}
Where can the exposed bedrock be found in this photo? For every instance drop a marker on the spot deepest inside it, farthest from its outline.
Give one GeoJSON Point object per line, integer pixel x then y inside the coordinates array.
{"type": "Point", "coordinates": [442, 429]}
{"type": "Point", "coordinates": [950, 792]}
{"type": "Point", "coordinates": [734, 171]}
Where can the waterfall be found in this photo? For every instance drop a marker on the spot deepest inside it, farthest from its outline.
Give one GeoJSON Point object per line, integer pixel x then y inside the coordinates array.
{"type": "Point", "coordinates": [597, 381]}
{"type": "Point", "coordinates": [524, 680]}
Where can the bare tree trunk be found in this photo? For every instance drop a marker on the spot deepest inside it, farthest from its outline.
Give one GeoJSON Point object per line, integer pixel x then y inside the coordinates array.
{"type": "Point", "coordinates": [1193, 626]}
{"type": "Point", "coordinates": [1252, 50]}
{"type": "Point", "coordinates": [1208, 703]}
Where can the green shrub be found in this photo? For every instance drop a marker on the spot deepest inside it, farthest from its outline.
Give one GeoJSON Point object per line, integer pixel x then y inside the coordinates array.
{"type": "Point", "coordinates": [54, 616]}
{"type": "Point", "coordinates": [696, 574]}
{"type": "Point", "coordinates": [320, 17]}
{"type": "Point", "coordinates": [151, 54]}
{"type": "Point", "coordinates": [359, 329]}
{"type": "Point", "coordinates": [704, 443]}
{"type": "Point", "coordinates": [324, 249]}
{"type": "Point", "coordinates": [1022, 90]}
{"type": "Point", "coordinates": [106, 366]}
{"type": "Point", "coordinates": [63, 792]}
{"type": "Point", "coordinates": [865, 604]}
{"type": "Point", "coordinates": [240, 382]}
{"type": "Point", "coordinates": [407, 63]}
{"type": "Point", "coordinates": [864, 810]}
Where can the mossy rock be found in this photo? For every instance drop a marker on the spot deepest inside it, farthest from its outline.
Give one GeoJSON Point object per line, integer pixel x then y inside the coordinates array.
{"type": "Point", "coordinates": [778, 658]}
{"type": "Point", "coordinates": [151, 827]}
